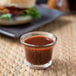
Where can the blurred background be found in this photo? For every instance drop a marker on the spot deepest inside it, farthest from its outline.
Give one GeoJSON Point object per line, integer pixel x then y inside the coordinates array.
{"type": "Point", "coordinates": [42, 1]}
{"type": "Point", "coordinates": [63, 5]}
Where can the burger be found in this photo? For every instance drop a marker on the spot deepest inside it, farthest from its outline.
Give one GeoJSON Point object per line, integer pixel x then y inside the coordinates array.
{"type": "Point", "coordinates": [18, 10]}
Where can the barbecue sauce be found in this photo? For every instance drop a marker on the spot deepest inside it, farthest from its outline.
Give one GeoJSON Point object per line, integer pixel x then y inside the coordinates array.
{"type": "Point", "coordinates": [38, 55]}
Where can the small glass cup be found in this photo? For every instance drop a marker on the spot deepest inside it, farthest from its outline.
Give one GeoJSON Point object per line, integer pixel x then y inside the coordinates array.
{"type": "Point", "coordinates": [38, 56]}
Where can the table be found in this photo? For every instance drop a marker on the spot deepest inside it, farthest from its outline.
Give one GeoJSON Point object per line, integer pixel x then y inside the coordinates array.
{"type": "Point", "coordinates": [12, 56]}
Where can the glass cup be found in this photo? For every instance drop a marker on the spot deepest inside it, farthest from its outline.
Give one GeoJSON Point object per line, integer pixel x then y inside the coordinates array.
{"type": "Point", "coordinates": [38, 56]}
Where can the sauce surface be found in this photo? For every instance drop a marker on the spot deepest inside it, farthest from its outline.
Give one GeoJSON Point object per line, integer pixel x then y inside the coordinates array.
{"type": "Point", "coordinates": [38, 40]}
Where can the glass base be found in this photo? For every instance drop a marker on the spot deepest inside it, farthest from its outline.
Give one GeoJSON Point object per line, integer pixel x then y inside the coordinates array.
{"type": "Point", "coordinates": [44, 66]}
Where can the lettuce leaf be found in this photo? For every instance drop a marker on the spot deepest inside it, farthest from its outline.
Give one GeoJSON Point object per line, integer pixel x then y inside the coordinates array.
{"type": "Point", "coordinates": [33, 12]}
{"type": "Point", "coordinates": [6, 16]}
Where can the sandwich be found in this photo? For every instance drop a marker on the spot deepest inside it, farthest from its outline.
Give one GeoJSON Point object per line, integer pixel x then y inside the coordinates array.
{"type": "Point", "coordinates": [18, 9]}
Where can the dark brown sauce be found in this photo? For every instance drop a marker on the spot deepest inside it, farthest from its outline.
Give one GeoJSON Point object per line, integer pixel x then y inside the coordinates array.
{"type": "Point", "coordinates": [38, 56]}
{"type": "Point", "coordinates": [39, 40]}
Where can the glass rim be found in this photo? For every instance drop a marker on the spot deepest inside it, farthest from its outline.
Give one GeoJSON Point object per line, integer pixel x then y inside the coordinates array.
{"type": "Point", "coordinates": [32, 45]}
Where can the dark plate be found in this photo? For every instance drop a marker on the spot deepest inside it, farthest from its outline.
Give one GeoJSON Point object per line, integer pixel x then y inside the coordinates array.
{"type": "Point", "coordinates": [48, 15]}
